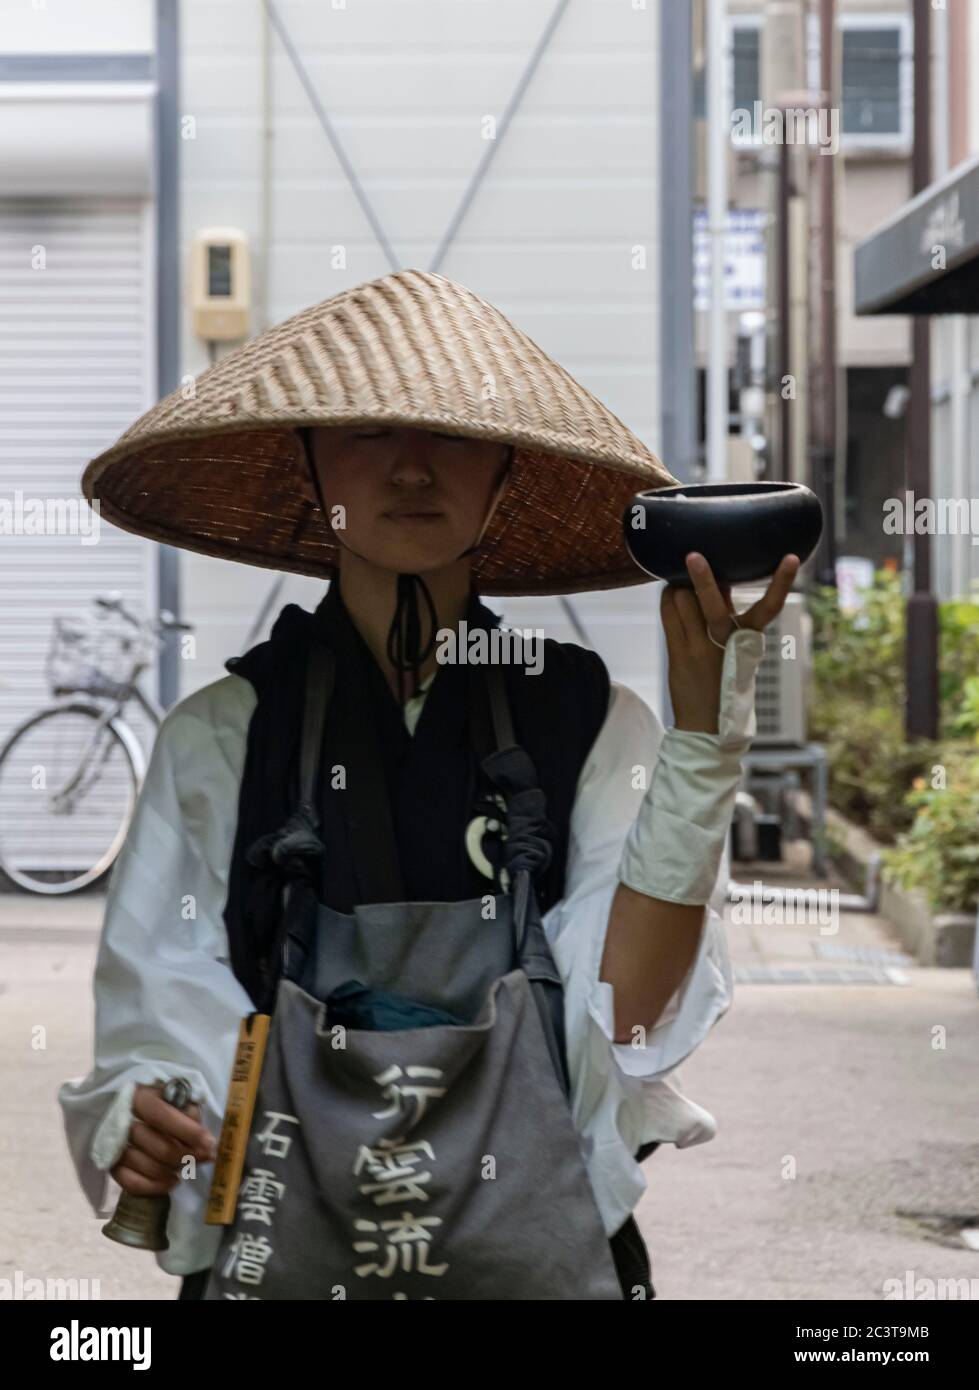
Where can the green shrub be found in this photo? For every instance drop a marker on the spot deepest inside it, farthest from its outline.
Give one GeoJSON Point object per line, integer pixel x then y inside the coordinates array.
{"type": "Point", "coordinates": [958, 665]}
{"type": "Point", "coordinates": [871, 768]}
{"type": "Point", "coordinates": [858, 706]}
{"type": "Point", "coordinates": [939, 853]}
{"type": "Point", "coordinates": [862, 654]}
{"type": "Point", "coordinates": [876, 777]}
{"type": "Point", "coordinates": [859, 654]}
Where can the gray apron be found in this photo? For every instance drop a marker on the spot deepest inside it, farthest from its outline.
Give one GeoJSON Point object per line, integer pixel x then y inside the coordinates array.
{"type": "Point", "coordinates": [412, 1135]}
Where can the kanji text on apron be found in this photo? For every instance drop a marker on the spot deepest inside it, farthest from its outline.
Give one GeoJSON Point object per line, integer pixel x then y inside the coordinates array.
{"type": "Point", "coordinates": [412, 1135]}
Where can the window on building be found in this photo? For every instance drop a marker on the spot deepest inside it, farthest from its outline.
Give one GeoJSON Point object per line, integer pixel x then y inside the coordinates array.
{"type": "Point", "coordinates": [743, 77]}
{"type": "Point", "coordinates": [875, 82]}
{"type": "Point", "coordinates": [745, 66]}
{"type": "Point", "coordinates": [876, 77]}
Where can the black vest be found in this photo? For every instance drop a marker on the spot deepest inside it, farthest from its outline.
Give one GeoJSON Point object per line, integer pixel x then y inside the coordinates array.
{"type": "Point", "coordinates": [433, 779]}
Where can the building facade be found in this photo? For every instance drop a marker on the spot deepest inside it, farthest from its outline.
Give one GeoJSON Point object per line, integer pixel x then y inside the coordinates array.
{"type": "Point", "coordinates": [870, 137]}
{"type": "Point", "coordinates": [924, 259]}
{"type": "Point", "coordinates": [78, 331]}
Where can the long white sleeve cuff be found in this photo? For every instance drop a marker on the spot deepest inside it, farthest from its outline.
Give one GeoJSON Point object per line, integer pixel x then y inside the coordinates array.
{"type": "Point", "coordinates": [674, 846]}
{"type": "Point", "coordinates": [112, 1135]}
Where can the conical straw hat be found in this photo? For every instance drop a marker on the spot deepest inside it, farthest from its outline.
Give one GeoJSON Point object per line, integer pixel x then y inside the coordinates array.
{"type": "Point", "coordinates": [217, 469]}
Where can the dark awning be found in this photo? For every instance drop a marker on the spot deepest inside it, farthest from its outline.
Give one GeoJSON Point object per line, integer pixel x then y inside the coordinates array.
{"type": "Point", "coordinates": [893, 267]}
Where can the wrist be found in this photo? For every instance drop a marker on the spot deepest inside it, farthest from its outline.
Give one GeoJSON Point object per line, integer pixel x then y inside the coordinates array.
{"type": "Point", "coordinates": [694, 726]}
{"type": "Point", "coordinates": [731, 715]}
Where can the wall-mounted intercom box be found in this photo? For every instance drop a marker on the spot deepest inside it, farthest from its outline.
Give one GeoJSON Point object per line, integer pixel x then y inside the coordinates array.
{"type": "Point", "coordinates": [220, 284]}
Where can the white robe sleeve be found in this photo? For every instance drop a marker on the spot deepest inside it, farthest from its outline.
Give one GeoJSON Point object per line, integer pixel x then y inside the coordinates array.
{"type": "Point", "coordinates": [605, 806]}
{"type": "Point", "coordinates": [166, 1001]}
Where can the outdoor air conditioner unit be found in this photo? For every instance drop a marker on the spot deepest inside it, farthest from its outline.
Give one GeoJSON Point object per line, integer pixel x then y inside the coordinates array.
{"type": "Point", "coordinates": [782, 682]}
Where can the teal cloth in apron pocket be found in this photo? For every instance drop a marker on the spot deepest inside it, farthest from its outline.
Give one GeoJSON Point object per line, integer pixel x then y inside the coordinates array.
{"type": "Point", "coordinates": [354, 1005]}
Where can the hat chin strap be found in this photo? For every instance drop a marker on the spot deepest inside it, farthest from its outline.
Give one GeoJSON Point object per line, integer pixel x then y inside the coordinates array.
{"type": "Point", "coordinates": [404, 649]}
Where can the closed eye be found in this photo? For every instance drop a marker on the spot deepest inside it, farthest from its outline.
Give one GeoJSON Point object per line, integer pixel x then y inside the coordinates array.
{"type": "Point", "coordinates": [437, 434]}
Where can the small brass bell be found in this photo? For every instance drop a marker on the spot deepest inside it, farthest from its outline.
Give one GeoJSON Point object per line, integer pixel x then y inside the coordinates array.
{"type": "Point", "coordinates": [141, 1222]}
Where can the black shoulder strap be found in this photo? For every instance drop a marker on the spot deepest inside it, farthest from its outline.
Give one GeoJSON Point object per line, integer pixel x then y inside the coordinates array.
{"type": "Point", "coordinates": [367, 809]}
{"type": "Point", "coordinates": [500, 709]}
{"type": "Point", "coordinates": [490, 720]}
{"type": "Point", "coordinates": [511, 770]}
{"type": "Point", "coordinates": [320, 678]}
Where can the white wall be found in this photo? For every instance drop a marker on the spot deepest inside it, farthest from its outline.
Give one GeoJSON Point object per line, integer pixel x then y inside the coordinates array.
{"type": "Point", "coordinates": [76, 26]}
{"type": "Point", "coordinates": [549, 237]}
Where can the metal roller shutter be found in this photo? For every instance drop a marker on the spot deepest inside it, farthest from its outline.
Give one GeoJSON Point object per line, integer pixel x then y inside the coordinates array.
{"type": "Point", "coordinates": [76, 367]}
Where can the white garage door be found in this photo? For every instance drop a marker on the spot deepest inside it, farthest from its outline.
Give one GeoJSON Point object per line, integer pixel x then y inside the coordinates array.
{"type": "Point", "coordinates": [76, 367]}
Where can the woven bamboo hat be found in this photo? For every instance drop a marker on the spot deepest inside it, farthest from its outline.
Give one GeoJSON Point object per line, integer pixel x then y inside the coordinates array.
{"type": "Point", "coordinates": [218, 470]}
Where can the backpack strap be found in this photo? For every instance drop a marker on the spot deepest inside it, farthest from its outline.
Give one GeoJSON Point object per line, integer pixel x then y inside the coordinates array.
{"type": "Point", "coordinates": [321, 673]}
{"type": "Point", "coordinates": [500, 708]}
{"type": "Point", "coordinates": [367, 809]}
{"type": "Point", "coordinates": [527, 852]}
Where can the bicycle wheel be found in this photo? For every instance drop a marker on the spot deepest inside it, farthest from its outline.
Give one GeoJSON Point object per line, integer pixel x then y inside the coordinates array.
{"type": "Point", "coordinates": [68, 787]}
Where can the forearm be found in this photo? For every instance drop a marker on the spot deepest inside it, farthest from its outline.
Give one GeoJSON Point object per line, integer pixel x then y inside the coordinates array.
{"type": "Point", "coordinates": [650, 946]}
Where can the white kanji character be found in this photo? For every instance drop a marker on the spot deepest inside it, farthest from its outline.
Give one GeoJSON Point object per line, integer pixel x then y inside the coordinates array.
{"type": "Point", "coordinates": [251, 1254]}
{"type": "Point", "coordinates": [395, 1180]}
{"type": "Point", "coordinates": [269, 1138]}
{"type": "Point", "coordinates": [407, 1235]}
{"type": "Point", "coordinates": [258, 1193]}
{"type": "Point", "coordinates": [418, 1093]}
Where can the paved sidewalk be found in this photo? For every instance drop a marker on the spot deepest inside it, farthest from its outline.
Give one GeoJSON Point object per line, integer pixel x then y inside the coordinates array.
{"type": "Point", "coordinates": [76, 916]}
{"type": "Point", "coordinates": [847, 1150]}
{"type": "Point", "coordinates": [47, 1228]}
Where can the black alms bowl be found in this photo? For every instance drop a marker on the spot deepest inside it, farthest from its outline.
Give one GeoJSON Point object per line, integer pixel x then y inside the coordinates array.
{"type": "Point", "coordinates": [742, 529]}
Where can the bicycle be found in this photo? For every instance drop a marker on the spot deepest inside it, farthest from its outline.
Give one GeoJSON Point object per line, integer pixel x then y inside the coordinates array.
{"type": "Point", "coordinates": [70, 774]}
